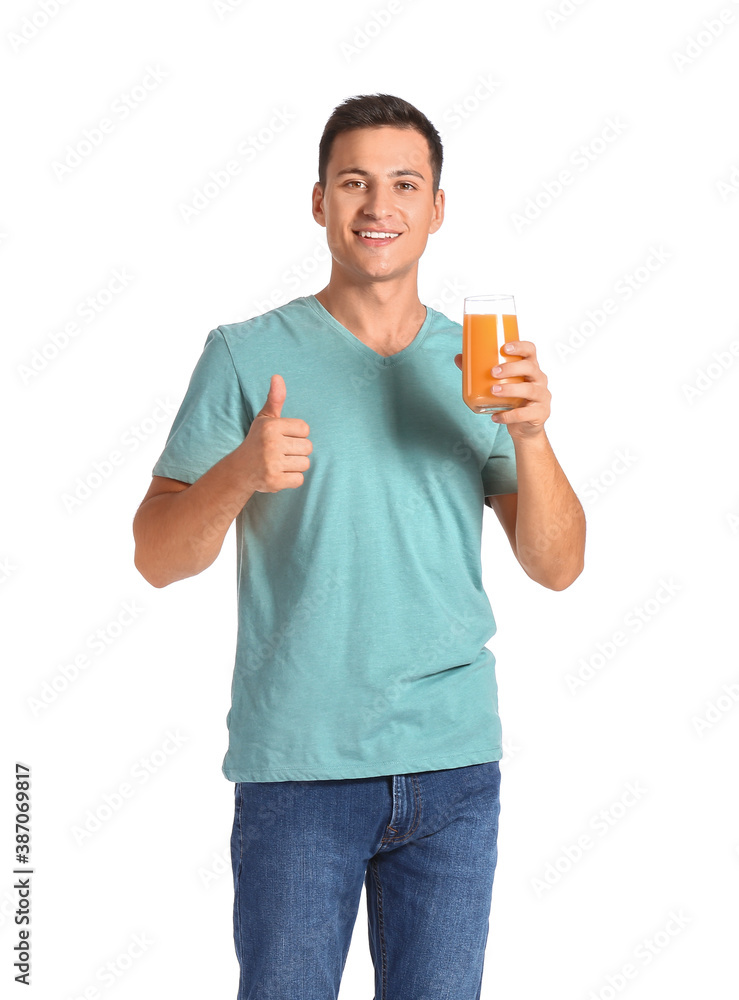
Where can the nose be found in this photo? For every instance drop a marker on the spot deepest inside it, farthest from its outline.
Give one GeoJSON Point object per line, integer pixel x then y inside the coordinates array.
{"type": "Point", "coordinates": [378, 202]}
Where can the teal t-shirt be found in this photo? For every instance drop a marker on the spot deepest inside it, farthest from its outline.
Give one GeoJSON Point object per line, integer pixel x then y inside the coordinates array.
{"type": "Point", "coordinates": [362, 619]}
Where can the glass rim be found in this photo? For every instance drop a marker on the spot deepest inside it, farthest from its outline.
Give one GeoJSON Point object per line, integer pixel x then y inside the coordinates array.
{"type": "Point", "coordinates": [480, 298]}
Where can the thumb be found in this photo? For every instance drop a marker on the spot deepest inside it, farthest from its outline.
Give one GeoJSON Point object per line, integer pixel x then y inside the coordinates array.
{"type": "Point", "coordinates": [275, 397]}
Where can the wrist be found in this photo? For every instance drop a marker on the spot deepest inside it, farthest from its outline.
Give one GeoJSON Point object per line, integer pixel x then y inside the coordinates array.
{"type": "Point", "coordinates": [530, 437]}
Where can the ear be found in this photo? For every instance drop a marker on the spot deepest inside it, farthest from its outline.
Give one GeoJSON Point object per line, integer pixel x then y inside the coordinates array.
{"type": "Point", "coordinates": [438, 216]}
{"type": "Point", "coordinates": [317, 205]}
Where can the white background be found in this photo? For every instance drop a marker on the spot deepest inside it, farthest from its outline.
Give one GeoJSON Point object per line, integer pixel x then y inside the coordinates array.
{"type": "Point", "coordinates": [515, 95]}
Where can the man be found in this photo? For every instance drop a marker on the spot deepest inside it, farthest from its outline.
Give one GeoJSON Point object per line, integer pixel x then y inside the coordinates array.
{"type": "Point", "coordinates": [364, 738]}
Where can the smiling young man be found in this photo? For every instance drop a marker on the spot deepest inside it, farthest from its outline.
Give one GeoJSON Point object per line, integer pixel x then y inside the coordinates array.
{"type": "Point", "coordinates": [364, 737]}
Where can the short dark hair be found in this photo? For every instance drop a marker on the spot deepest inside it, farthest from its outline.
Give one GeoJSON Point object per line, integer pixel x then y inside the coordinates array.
{"type": "Point", "coordinates": [371, 111]}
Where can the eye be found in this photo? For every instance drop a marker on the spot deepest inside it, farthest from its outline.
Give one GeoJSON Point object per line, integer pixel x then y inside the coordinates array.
{"type": "Point", "coordinates": [407, 184]}
{"type": "Point", "coordinates": [349, 183]}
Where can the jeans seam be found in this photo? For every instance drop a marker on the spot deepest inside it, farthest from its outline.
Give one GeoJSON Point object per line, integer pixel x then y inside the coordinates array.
{"type": "Point", "coordinates": [238, 879]}
{"type": "Point", "coordinates": [380, 928]}
{"type": "Point", "coordinates": [416, 816]}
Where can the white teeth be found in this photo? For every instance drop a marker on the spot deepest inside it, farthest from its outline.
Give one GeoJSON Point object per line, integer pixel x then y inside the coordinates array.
{"type": "Point", "coordinates": [377, 236]}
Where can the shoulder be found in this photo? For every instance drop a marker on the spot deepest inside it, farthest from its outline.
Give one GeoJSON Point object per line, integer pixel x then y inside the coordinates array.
{"type": "Point", "coordinates": [441, 321]}
{"type": "Point", "coordinates": [443, 333]}
{"type": "Point", "coordinates": [282, 316]}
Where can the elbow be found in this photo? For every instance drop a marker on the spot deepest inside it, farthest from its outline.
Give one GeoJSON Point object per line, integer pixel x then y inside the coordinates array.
{"type": "Point", "coordinates": [563, 582]}
{"type": "Point", "coordinates": [145, 568]}
{"type": "Point", "coordinates": [139, 558]}
{"type": "Point", "coordinates": [147, 573]}
{"type": "Point", "coordinates": [559, 581]}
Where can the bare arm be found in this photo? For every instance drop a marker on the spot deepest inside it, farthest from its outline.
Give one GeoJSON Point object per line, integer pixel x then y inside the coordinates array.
{"type": "Point", "coordinates": [544, 521]}
{"type": "Point", "coordinates": [179, 528]}
{"type": "Point", "coordinates": [550, 521]}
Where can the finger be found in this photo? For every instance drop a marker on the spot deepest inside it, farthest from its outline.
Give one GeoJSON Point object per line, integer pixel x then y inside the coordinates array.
{"type": "Point", "coordinates": [528, 369]}
{"type": "Point", "coordinates": [521, 348]}
{"type": "Point", "coordinates": [296, 445]}
{"type": "Point", "coordinates": [519, 415]}
{"type": "Point", "coordinates": [523, 390]}
{"type": "Point", "coordinates": [295, 463]}
{"type": "Point", "coordinates": [275, 397]}
{"type": "Point", "coordinates": [293, 427]}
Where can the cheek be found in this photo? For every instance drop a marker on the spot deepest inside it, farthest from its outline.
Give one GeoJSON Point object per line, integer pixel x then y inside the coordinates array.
{"type": "Point", "coordinates": [339, 244]}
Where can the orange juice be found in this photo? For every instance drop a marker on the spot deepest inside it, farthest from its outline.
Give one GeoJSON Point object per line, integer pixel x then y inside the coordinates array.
{"type": "Point", "coordinates": [480, 353]}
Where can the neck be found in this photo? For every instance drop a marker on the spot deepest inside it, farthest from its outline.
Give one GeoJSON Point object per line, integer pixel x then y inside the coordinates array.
{"type": "Point", "coordinates": [378, 312]}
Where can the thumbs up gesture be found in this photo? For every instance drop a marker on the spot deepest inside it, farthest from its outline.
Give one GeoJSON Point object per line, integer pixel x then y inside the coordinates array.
{"type": "Point", "coordinates": [276, 448]}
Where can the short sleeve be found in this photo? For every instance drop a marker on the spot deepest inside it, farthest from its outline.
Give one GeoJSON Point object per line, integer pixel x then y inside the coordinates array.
{"type": "Point", "coordinates": [213, 418]}
{"type": "Point", "coordinates": [499, 472]}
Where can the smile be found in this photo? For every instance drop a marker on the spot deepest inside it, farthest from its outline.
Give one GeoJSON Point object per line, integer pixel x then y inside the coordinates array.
{"type": "Point", "coordinates": [379, 239]}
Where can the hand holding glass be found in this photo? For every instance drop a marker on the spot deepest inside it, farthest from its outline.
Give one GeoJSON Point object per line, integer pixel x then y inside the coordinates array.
{"type": "Point", "coordinates": [490, 321]}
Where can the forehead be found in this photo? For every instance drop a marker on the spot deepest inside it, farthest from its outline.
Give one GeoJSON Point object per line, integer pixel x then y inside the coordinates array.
{"type": "Point", "coordinates": [380, 149]}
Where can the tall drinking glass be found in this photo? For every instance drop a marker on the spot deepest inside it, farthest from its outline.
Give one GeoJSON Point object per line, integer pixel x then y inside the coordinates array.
{"type": "Point", "coordinates": [490, 321]}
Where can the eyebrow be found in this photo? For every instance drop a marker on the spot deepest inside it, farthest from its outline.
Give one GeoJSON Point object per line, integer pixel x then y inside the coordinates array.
{"type": "Point", "coordinates": [392, 173]}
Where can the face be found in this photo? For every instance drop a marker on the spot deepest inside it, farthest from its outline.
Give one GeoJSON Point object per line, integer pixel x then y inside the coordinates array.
{"type": "Point", "coordinates": [378, 179]}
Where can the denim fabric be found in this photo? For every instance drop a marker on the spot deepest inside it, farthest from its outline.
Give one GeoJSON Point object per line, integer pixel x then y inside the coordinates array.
{"type": "Point", "coordinates": [425, 847]}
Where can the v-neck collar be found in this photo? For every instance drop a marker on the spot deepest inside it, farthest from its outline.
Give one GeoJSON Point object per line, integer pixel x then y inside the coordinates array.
{"type": "Point", "coordinates": [372, 355]}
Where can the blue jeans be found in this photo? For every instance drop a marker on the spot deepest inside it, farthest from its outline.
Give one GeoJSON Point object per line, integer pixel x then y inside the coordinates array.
{"type": "Point", "coordinates": [425, 847]}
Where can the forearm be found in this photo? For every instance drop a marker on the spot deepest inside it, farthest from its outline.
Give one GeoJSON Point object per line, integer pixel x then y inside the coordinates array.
{"type": "Point", "coordinates": [550, 521]}
{"type": "Point", "coordinates": [179, 534]}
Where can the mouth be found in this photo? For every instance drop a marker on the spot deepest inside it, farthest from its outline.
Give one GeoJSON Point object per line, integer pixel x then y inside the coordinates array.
{"type": "Point", "coordinates": [379, 238]}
